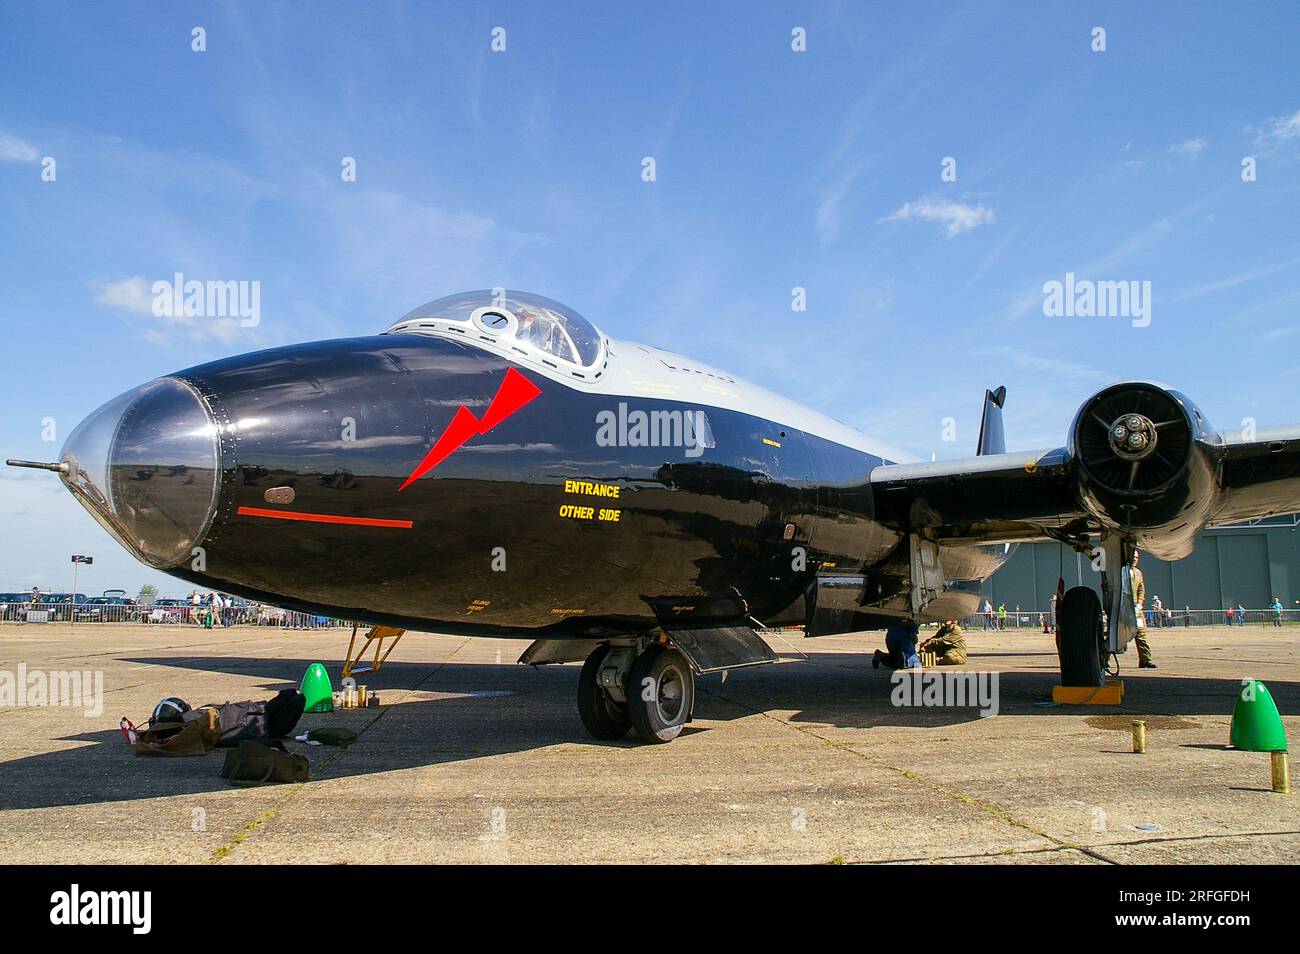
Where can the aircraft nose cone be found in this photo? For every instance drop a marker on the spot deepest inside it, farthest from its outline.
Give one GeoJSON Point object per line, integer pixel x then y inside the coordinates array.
{"type": "Point", "coordinates": [146, 465]}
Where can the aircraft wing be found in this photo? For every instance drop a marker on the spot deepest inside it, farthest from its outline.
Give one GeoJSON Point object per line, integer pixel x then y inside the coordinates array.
{"type": "Point", "coordinates": [1260, 476]}
{"type": "Point", "coordinates": [1140, 462]}
{"type": "Point", "coordinates": [991, 498]}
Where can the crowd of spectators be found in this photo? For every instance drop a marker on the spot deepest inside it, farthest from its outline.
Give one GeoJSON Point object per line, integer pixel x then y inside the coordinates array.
{"type": "Point", "coordinates": [211, 610]}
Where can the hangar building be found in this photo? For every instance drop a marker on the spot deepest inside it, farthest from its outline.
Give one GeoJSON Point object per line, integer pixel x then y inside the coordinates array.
{"type": "Point", "coordinates": [1249, 563]}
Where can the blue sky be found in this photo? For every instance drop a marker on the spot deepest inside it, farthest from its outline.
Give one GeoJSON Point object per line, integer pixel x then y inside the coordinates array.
{"type": "Point", "coordinates": [774, 169]}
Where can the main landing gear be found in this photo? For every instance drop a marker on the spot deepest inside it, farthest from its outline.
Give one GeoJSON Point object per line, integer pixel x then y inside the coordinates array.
{"type": "Point", "coordinates": [649, 689]}
{"type": "Point", "coordinates": [1080, 638]}
{"type": "Point", "coordinates": [1086, 636]}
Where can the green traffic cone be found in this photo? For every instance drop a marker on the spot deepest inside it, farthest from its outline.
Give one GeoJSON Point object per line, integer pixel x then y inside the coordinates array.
{"type": "Point", "coordinates": [1256, 724]}
{"type": "Point", "coordinates": [316, 689]}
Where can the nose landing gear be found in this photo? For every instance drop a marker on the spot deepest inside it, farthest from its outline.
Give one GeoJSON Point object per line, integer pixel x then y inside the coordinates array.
{"type": "Point", "coordinates": [662, 694]}
{"type": "Point", "coordinates": [604, 715]}
{"type": "Point", "coordinates": [1080, 639]}
{"type": "Point", "coordinates": [651, 692]}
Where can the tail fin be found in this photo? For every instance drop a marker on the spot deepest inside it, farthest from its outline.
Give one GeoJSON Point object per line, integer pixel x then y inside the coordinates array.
{"type": "Point", "coordinates": [992, 440]}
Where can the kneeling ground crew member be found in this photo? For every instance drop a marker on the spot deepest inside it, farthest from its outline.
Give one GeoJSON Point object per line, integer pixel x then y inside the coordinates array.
{"type": "Point", "coordinates": [948, 645]}
{"type": "Point", "coordinates": [900, 647]}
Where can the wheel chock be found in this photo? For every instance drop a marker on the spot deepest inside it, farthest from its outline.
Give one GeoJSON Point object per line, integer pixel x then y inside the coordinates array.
{"type": "Point", "coordinates": [1111, 694]}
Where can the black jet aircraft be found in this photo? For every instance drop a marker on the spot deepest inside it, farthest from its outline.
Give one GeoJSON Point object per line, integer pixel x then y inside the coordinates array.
{"type": "Point", "coordinates": [494, 465]}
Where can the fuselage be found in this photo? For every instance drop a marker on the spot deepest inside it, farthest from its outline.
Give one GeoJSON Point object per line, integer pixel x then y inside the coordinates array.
{"type": "Point", "coordinates": [620, 494]}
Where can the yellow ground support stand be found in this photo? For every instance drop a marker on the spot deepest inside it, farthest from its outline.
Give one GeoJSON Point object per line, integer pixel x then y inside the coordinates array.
{"type": "Point", "coordinates": [1111, 694]}
{"type": "Point", "coordinates": [376, 635]}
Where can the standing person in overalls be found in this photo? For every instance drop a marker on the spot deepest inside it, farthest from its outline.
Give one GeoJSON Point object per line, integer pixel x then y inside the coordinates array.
{"type": "Point", "coordinates": [1139, 597]}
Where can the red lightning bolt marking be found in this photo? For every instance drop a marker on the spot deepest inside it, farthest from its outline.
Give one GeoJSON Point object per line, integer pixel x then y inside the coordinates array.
{"type": "Point", "coordinates": [515, 391]}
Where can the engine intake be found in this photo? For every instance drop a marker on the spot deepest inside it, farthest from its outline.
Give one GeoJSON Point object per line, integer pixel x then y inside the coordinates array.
{"type": "Point", "coordinates": [1145, 465]}
{"type": "Point", "coordinates": [1132, 439]}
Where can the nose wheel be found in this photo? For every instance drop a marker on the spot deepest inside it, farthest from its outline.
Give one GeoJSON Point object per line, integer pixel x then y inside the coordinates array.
{"type": "Point", "coordinates": [652, 692]}
{"type": "Point", "coordinates": [661, 694]}
{"type": "Point", "coordinates": [605, 717]}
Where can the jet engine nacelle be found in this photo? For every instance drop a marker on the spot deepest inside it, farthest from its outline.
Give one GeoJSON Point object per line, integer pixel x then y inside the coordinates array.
{"type": "Point", "coordinates": [1146, 463]}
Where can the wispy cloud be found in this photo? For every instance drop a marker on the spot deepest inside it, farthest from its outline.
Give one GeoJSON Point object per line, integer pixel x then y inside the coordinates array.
{"type": "Point", "coordinates": [1134, 245]}
{"type": "Point", "coordinates": [126, 294]}
{"type": "Point", "coordinates": [1246, 320]}
{"type": "Point", "coordinates": [1278, 334]}
{"type": "Point", "coordinates": [991, 258]}
{"type": "Point", "coordinates": [182, 170]}
{"type": "Point", "coordinates": [955, 216]}
{"type": "Point", "coordinates": [388, 241]}
{"type": "Point", "coordinates": [1240, 278]}
{"type": "Point", "coordinates": [134, 295]}
{"type": "Point", "coordinates": [830, 205]}
{"type": "Point", "coordinates": [1037, 365]}
{"type": "Point", "coordinates": [1046, 390]}
{"type": "Point", "coordinates": [18, 150]}
{"type": "Point", "coordinates": [1189, 148]}
{"type": "Point", "coordinates": [1274, 132]}
{"type": "Point", "coordinates": [1031, 298]}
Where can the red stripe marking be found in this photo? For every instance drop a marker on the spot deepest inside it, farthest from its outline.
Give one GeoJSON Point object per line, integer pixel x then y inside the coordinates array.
{"type": "Point", "coordinates": [324, 518]}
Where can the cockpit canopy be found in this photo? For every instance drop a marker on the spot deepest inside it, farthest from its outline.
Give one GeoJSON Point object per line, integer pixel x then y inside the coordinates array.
{"type": "Point", "coordinates": [536, 325]}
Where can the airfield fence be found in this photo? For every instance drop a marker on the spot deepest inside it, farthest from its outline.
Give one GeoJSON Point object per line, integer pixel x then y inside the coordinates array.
{"type": "Point", "coordinates": [163, 613]}
{"type": "Point", "coordinates": [1169, 619]}
{"type": "Point", "coordinates": [274, 616]}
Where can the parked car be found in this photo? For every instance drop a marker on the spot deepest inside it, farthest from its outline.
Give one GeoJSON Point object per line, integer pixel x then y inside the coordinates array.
{"type": "Point", "coordinates": [105, 609]}
{"type": "Point", "coordinates": [62, 605]}
{"type": "Point", "coordinates": [13, 606]}
{"type": "Point", "coordinates": [167, 610]}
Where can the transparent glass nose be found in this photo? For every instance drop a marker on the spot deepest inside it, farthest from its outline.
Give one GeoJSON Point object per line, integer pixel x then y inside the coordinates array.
{"type": "Point", "coordinates": [146, 467]}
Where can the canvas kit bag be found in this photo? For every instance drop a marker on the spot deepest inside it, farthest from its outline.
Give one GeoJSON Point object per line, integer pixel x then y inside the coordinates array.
{"type": "Point", "coordinates": [196, 734]}
{"type": "Point", "coordinates": [256, 764]}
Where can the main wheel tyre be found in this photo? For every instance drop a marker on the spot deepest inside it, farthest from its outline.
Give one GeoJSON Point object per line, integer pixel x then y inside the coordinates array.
{"type": "Point", "coordinates": [604, 718]}
{"type": "Point", "coordinates": [1079, 637]}
{"type": "Point", "coordinates": [660, 694]}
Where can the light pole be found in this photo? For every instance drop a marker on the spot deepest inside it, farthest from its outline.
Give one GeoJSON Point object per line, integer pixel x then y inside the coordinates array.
{"type": "Point", "coordinates": [77, 560]}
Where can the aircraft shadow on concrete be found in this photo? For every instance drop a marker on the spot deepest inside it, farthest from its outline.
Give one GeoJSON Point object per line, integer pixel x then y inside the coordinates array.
{"type": "Point", "coordinates": [462, 711]}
